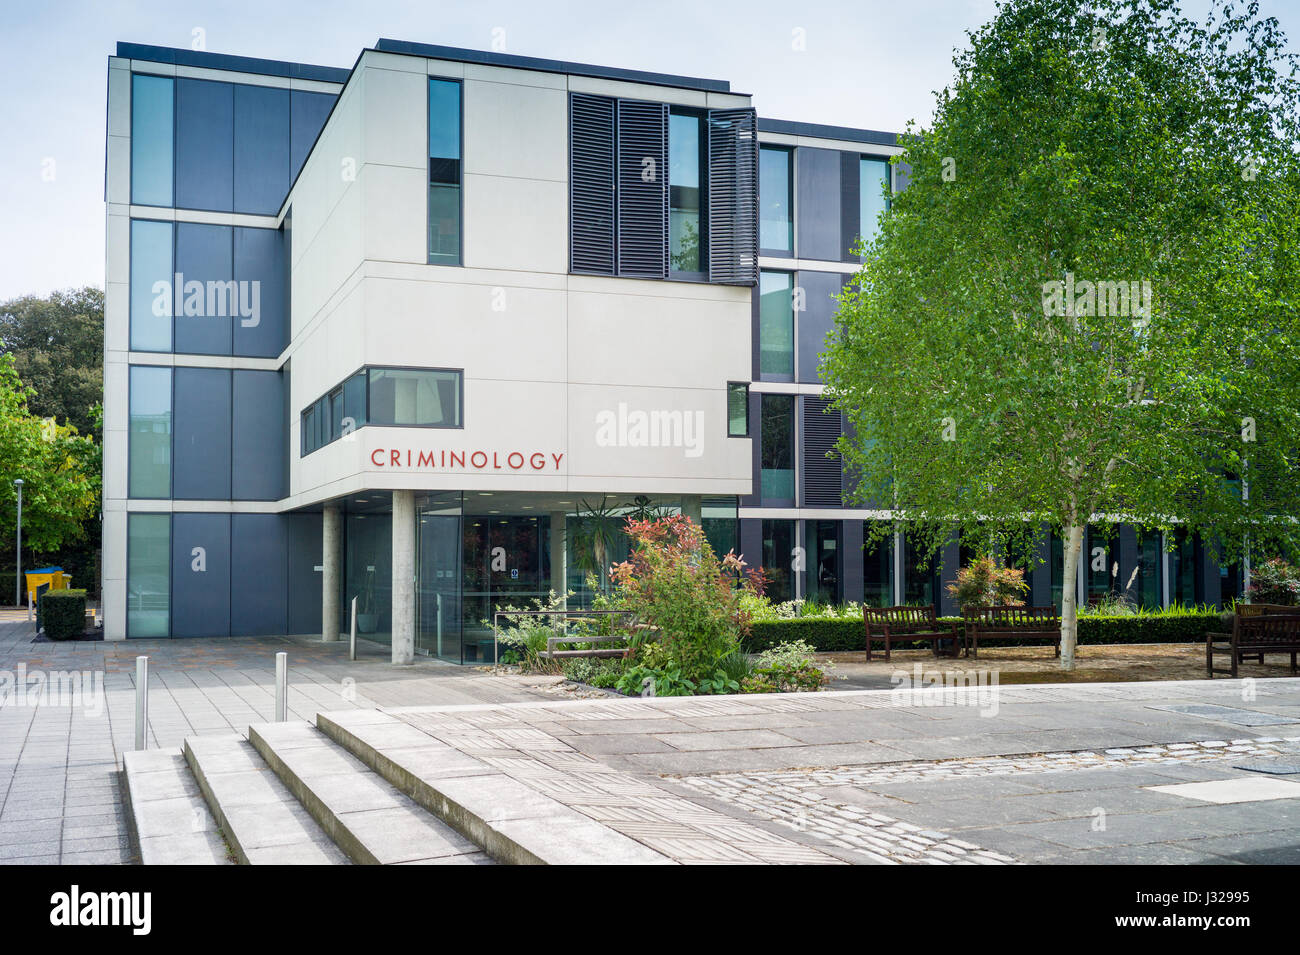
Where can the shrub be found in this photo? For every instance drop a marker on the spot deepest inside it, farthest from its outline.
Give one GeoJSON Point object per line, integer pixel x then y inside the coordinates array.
{"type": "Point", "coordinates": [604, 673]}
{"type": "Point", "coordinates": [785, 678]}
{"type": "Point", "coordinates": [675, 583]}
{"type": "Point", "coordinates": [827, 635]}
{"type": "Point", "coordinates": [984, 583]}
{"type": "Point", "coordinates": [1274, 582]}
{"type": "Point", "coordinates": [786, 667]}
{"type": "Point", "coordinates": [64, 613]}
{"type": "Point", "coordinates": [523, 635]}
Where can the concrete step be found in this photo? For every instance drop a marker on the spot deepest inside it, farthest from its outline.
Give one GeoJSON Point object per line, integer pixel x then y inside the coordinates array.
{"type": "Point", "coordinates": [366, 816]}
{"type": "Point", "coordinates": [169, 819]}
{"type": "Point", "coordinates": [261, 819]}
{"type": "Point", "coordinates": [512, 822]}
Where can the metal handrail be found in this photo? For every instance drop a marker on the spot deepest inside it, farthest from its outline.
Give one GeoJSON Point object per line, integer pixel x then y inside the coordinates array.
{"type": "Point", "coordinates": [579, 614]}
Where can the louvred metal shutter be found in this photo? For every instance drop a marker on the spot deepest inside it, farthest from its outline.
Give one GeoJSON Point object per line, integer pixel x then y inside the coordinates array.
{"type": "Point", "coordinates": [591, 184]}
{"type": "Point", "coordinates": [642, 189]}
{"type": "Point", "coordinates": [822, 479]}
{"type": "Point", "coordinates": [733, 196]}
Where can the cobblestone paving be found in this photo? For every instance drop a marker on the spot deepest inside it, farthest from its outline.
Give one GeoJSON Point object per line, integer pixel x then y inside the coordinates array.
{"type": "Point", "coordinates": [792, 797]}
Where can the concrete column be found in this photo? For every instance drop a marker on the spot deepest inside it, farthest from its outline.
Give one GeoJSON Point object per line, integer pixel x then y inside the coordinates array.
{"type": "Point", "coordinates": [331, 571]}
{"type": "Point", "coordinates": [559, 554]}
{"type": "Point", "coordinates": [692, 507]}
{"type": "Point", "coordinates": [403, 578]}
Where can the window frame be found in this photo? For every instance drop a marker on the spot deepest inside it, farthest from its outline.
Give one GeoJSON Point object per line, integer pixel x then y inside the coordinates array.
{"type": "Point", "coordinates": [793, 373]}
{"type": "Point", "coordinates": [789, 199]}
{"type": "Point", "coordinates": [701, 118]}
{"type": "Point", "coordinates": [460, 174]}
{"type": "Point", "coordinates": [730, 386]}
{"type": "Point", "coordinates": [171, 431]}
{"type": "Point", "coordinates": [171, 81]}
{"type": "Point", "coordinates": [322, 436]}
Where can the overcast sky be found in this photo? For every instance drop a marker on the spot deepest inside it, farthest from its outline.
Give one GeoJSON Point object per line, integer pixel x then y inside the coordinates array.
{"type": "Point", "coordinates": [865, 63]}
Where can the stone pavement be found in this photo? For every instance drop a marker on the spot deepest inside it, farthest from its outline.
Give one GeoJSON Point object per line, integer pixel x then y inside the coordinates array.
{"type": "Point", "coordinates": [1099, 773]}
{"type": "Point", "coordinates": [60, 799]}
{"type": "Point", "coordinates": [1111, 773]}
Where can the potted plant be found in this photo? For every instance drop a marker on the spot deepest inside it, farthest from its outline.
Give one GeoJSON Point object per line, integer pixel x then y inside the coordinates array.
{"type": "Point", "coordinates": [367, 619]}
{"type": "Point", "coordinates": [983, 583]}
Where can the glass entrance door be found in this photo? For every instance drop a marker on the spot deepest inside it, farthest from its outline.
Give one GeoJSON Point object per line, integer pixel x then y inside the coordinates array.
{"type": "Point", "coordinates": [438, 574]}
{"type": "Point", "coordinates": [506, 565]}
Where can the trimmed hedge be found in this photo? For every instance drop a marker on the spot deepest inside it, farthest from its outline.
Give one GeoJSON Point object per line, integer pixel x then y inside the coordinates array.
{"type": "Point", "coordinates": [64, 613]}
{"type": "Point", "coordinates": [830, 634]}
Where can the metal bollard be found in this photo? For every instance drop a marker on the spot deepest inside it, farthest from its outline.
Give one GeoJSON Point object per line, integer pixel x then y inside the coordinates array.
{"type": "Point", "coordinates": [281, 687]}
{"type": "Point", "coordinates": [141, 701]}
{"type": "Point", "coordinates": [352, 637]}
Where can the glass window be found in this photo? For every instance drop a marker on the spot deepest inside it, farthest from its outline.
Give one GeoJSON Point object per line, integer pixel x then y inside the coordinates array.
{"type": "Point", "coordinates": [444, 172]}
{"type": "Point", "coordinates": [151, 285]}
{"type": "Point", "coordinates": [1185, 587]}
{"type": "Point", "coordinates": [718, 520]}
{"type": "Point", "coordinates": [148, 575]}
{"type": "Point", "coordinates": [686, 179]}
{"type": "Point", "coordinates": [336, 414]}
{"type": "Point", "coordinates": [151, 139]}
{"type": "Point", "coordinates": [778, 559]}
{"type": "Point", "coordinates": [1102, 574]}
{"type": "Point", "coordinates": [415, 397]}
{"type": "Point", "coordinates": [777, 475]}
{"type": "Point", "coordinates": [309, 430]}
{"type": "Point", "coordinates": [354, 402]}
{"type": "Point", "coordinates": [776, 225]}
{"type": "Point", "coordinates": [776, 325]}
{"type": "Point", "coordinates": [878, 571]}
{"type": "Point", "coordinates": [874, 180]}
{"type": "Point", "coordinates": [824, 561]}
{"type": "Point", "coordinates": [150, 446]}
{"type": "Point", "coordinates": [1149, 584]}
{"type": "Point", "coordinates": [737, 409]}
{"type": "Point", "coordinates": [920, 576]}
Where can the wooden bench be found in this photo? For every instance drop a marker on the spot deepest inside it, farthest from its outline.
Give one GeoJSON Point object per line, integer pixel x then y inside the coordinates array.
{"type": "Point", "coordinates": [1254, 635]}
{"type": "Point", "coordinates": [1255, 610]}
{"type": "Point", "coordinates": [1016, 621]}
{"type": "Point", "coordinates": [904, 624]}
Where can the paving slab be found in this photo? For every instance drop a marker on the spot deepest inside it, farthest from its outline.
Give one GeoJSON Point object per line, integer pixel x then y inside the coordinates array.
{"type": "Point", "coordinates": [366, 816]}
{"type": "Point", "coordinates": [169, 819]}
{"type": "Point", "coordinates": [1245, 789]}
{"type": "Point", "coordinates": [259, 816]}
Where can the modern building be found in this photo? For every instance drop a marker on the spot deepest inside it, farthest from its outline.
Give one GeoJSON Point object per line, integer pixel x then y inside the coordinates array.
{"type": "Point", "coordinates": [421, 332]}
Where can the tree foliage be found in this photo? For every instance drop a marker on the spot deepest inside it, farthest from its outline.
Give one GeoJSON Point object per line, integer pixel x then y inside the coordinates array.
{"type": "Point", "coordinates": [58, 348]}
{"type": "Point", "coordinates": [990, 379]}
{"type": "Point", "coordinates": [60, 470]}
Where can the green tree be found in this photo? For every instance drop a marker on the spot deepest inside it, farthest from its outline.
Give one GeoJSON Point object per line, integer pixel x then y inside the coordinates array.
{"type": "Point", "coordinates": [994, 361]}
{"type": "Point", "coordinates": [60, 470]}
{"type": "Point", "coordinates": [58, 348]}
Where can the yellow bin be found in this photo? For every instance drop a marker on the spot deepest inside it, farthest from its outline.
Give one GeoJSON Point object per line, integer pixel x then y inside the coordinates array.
{"type": "Point", "coordinates": [45, 575]}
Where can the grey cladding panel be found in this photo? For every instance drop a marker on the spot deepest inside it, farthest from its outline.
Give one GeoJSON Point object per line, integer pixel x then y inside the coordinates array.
{"type": "Point", "coordinates": [259, 441]}
{"type": "Point", "coordinates": [817, 318]}
{"type": "Point", "coordinates": [201, 422]}
{"type": "Point", "coordinates": [304, 581]}
{"type": "Point", "coordinates": [258, 564]}
{"type": "Point", "coordinates": [200, 575]}
{"type": "Point", "coordinates": [818, 223]}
